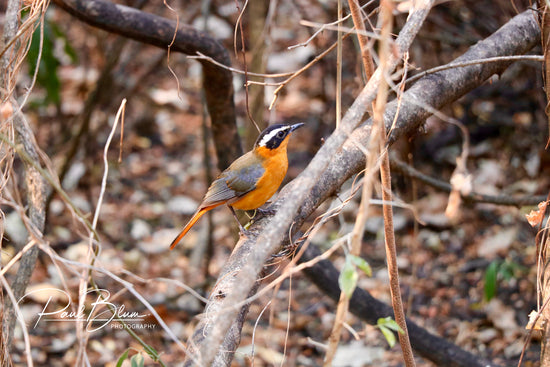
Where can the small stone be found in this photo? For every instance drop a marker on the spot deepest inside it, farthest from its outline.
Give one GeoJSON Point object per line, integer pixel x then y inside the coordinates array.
{"type": "Point", "coordinates": [183, 205]}
{"type": "Point", "coordinates": [15, 229]}
{"type": "Point", "coordinates": [73, 176]}
{"type": "Point", "coordinates": [140, 229]}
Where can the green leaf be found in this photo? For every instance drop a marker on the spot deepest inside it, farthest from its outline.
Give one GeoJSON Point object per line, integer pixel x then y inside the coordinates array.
{"type": "Point", "coordinates": [47, 76]}
{"type": "Point", "coordinates": [348, 278]}
{"type": "Point", "coordinates": [490, 287]}
{"type": "Point", "coordinates": [509, 269]}
{"type": "Point", "coordinates": [122, 358]}
{"type": "Point", "coordinates": [388, 326]}
{"type": "Point", "coordinates": [389, 335]}
{"type": "Point", "coordinates": [152, 352]}
{"type": "Point", "coordinates": [47, 70]}
{"type": "Point", "coordinates": [389, 323]}
{"type": "Point", "coordinates": [137, 361]}
{"type": "Point", "coordinates": [361, 264]}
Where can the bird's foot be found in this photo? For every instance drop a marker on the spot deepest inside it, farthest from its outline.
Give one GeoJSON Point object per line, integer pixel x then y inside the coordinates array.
{"type": "Point", "coordinates": [261, 213]}
{"type": "Point", "coordinates": [266, 211]}
{"type": "Point", "coordinates": [287, 251]}
{"type": "Point", "coordinates": [243, 232]}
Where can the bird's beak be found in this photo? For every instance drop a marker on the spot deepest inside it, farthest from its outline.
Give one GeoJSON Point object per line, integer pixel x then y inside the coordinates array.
{"type": "Point", "coordinates": [296, 126]}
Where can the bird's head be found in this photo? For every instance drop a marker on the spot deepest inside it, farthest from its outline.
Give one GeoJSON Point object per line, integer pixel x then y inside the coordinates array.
{"type": "Point", "coordinates": [275, 136]}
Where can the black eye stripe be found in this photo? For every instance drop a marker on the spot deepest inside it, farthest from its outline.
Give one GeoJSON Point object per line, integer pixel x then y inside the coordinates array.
{"type": "Point", "coordinates": [273, 136]}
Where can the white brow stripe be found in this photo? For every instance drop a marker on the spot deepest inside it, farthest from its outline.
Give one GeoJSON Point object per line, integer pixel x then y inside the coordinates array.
{"type": "Point", "coordinates": [271, 134]}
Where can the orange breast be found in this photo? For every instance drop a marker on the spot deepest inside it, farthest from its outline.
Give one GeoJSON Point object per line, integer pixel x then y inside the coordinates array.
{"type": "Point", "coordinates": [275, 166]}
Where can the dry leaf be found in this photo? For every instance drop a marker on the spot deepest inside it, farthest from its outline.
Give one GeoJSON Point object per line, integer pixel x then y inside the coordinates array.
{"type": "Point", "coordinates": [462, 182]}
{"type": "Point", "coordinates": [535, 216]}
{"type": "Point", "coordinates": [534, 322]}
{"type": "Point", "coordinates": [503, 318]}
{"type": "Point", "coordinates": [45, 292]}
{"type": "Point", "coordinates": [497, 242]}
{"type": "Point", "coordinates": [453, 206]}
{"type": "Point", "coordinates": [404, 6]}
{"type": "Point", "coordinates": [6, 110]}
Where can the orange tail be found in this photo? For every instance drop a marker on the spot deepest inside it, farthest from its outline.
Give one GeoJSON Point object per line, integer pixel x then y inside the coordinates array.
{"type": "Point", "coordinates": [199, 213]}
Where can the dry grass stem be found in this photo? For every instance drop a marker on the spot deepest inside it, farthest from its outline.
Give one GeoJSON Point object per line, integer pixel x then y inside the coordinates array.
{"type": "Point", "coordinates": [378, 120]}
{"type": "Point", "coordinates": [343, 303]}
{"type": "Point", "coordinates": [241, 285]}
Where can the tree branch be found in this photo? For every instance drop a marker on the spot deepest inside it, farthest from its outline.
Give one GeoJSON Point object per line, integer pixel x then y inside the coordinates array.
{"type": "Point", "coordinates": [266, 237]}
{"type": "Point", "coordinates": [35, 184]}
{"type": "Point", "coordinates": [340, 158]}
{"type": "Point", "coordinates": [158, 31]}
{"type": "Point", "coordinates": [436, 349]}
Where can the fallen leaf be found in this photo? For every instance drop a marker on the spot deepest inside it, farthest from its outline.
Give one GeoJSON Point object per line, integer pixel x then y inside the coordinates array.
{"type": "Point", "coordinates": [453, 207]}
{"type": "Point", "coordinates": [534, 322]}
{"type": "Point", "coordinates": [535, 216]}
{"type": "Point", "coordinates": [504, 318]}
{"type": "Point", "coordinates": [497, 242]}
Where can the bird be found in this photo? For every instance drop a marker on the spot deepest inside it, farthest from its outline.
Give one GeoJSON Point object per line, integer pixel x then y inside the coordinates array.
{"type": "Point", "coordinates": [251, 179]}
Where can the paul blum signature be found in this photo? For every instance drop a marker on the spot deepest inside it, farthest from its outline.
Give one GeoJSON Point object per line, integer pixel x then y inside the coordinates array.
{"type": "Point", "coordinates": [96, 315]}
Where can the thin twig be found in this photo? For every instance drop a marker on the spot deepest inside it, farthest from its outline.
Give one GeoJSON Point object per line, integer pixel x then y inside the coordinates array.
{"type": "Point", "coordinates": [236, 288]}
{"type": "Point", "coordinates": [169, 48]}
{"type": "Point", "coordinates": [358, 229]}
{"type": "Point", "coordinates": [339, 67]}
{"type": "Point", "coordinates": [50, 179]}
{"type": "Point", "coordinates": [386, 9]}
{"type": "Point", "coordinates": [20, 318]}
{"type": "Point", "coordinates": [252, 342]}
{"type": "Point", "coordinates": [322, 27]}
{"type": "Point", "coordinates": [126, 284]}
{"type": "Point", "coordinates": [92, 252]}
{"type": "Point", "coordinates": [239, 25]}
{"type": "Point", "coordinates": [280, 85]}
{"type": "Point", "coordinates": [452, 65]}
{"type": "Point", "coordinates": [202, 56]}
{"type": "Point", "coordinates": [175, 282]}
{"type": "Point", "coordinates": [302, 69]}
{"type": "Point", "coordinates": [362, 38]}
{"type": "Point", "coordinates": [335, 28]}
{"type": "Point", "coordinates": [37, 187]}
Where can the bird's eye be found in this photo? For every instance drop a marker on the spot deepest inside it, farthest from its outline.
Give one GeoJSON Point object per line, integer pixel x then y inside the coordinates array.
{"type": "Point", "coordinates": [281, 134]}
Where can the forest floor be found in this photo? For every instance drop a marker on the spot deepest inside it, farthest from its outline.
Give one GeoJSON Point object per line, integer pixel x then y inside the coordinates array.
{"type": "Point", "coordinates": [444, 263]}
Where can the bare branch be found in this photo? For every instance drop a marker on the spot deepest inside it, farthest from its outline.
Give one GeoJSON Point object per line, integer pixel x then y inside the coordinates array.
{"type": "Point", "coordinates": [340, 158]}
{"type": "Point", "coordinates": [238, 278]}
{"type": "Point", "coordinates": [36, 185]}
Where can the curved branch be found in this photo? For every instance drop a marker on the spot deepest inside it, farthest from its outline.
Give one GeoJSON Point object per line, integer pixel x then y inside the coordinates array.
{"type": "Point", "coordinates": [36, 186]}
{"type": "Point", "coordinates": [340, 158]}
{"type": "Point", "coordinates": [266, 236]}
{"type": "Point", "coordinates": [158, 31]}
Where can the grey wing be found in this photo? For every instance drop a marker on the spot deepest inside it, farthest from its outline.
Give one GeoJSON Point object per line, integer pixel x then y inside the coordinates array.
{"type": "Point", "coordinates": [233, 183]}
{"type": "Point", "coordinates": [218, 193]}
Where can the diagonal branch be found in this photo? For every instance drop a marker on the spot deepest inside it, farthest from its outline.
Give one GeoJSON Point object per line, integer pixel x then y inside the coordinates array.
{"type": "Point", "coordinates": [265, 239]}
{"type": "Point", "coordinates": [36, 186]}
{"type": "Point", "coordinates": [340, 158]}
